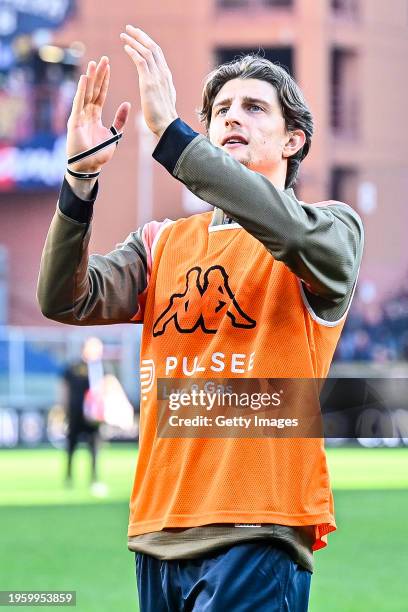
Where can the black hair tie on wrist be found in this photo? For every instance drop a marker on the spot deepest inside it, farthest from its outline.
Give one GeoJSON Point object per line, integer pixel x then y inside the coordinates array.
{"type": "Point", "coordinates": [106, 143]}
{"type": "Point", "coordinates": [83, 175]}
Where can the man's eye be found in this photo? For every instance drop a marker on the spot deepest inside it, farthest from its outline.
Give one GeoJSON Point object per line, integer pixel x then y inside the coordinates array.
{"type": "Point", "coordinates": [255, 106]}
{"type": "Point", "coordinates": [221, 110]}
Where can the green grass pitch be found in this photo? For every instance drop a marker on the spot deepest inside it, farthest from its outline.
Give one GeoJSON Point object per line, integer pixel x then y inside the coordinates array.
{"type": "Point", "coordinates": [52, 538]}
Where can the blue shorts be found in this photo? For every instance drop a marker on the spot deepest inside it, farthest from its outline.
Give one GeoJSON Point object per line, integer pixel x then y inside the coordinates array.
{"type": "Point", "coordinates": [251, 577]}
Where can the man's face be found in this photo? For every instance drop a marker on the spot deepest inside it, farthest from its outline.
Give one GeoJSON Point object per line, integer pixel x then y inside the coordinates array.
{"type": "Point", "coordinates": [247, 123]}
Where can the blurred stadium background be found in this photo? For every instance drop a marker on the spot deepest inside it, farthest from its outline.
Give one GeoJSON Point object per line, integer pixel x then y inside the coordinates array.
{"type": "Point", "coordinates": [348, 56]}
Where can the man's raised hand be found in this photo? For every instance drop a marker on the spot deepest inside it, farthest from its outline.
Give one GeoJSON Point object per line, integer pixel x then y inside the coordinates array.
{"type": "Point", "coordinates": [85, 128]}
{"type": "Point", "coordinates": [157, 92]}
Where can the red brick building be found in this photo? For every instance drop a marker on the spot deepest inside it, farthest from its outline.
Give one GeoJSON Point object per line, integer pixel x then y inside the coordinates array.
{"type": "Point", "coordinates": [348, 57]}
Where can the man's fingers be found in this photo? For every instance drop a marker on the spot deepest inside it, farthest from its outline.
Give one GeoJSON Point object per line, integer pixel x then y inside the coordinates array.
{"type": "Point", "coordinates": [100, 76]}
{"type": "Point", "coordinates": [139, 60]}
{"type": "Point", "coordinates": [162, 58]}
{"type": "Point", "coordinates": [78, 101]}
{"type": "Point", "coordinates": [121, 117]}
{"type": "Point", "coordinates": [142, 38]}
{"type": "Point", "coordinates": [90, 80]}
{"type": "Point", "coordinates": [100, 100]}
{"type": "Point", "coordinates": [145, 52]}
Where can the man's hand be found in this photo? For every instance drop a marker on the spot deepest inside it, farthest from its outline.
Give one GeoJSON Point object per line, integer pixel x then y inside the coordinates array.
{"type": "Point", "coordinates": [85, 128]}
{"type": "Point", "coordinates": [157, 92]}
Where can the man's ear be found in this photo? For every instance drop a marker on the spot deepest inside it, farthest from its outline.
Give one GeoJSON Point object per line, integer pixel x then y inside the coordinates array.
{"type": "Point", "coordinates": [295, 141]}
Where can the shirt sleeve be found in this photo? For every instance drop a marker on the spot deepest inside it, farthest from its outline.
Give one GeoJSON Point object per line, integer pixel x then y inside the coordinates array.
{"type": "Point", "coordinates": [322, 244]}
{"type": "Point", "coordinates": [79, 289]}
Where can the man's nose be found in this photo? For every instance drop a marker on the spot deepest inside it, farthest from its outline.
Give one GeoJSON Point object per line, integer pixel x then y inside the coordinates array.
{"type": "Point", "coordinates": [233, 116]}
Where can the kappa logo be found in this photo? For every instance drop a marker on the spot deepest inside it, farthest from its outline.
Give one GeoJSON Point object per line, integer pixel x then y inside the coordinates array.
{"type": "Point", "coordinates": [206, 300]}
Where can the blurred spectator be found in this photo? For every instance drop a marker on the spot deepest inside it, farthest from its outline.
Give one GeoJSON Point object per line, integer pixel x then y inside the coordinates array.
{"type": "Point", "coordinates": [77, 380]}
{"type": "Point", "coordinates": [377, 333]}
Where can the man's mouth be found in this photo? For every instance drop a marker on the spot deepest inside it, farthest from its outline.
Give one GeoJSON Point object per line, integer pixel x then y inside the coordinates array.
{"type": "Point", "coordinates": [234, 140]}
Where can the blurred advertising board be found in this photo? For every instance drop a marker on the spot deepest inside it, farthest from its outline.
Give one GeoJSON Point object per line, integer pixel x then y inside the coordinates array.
{"type": "Point", "coordinates": [37, 84]}
{"type": "Point", "coordinates": [26, 16]}
{"type": "Point", "coordinates": [35, 427]}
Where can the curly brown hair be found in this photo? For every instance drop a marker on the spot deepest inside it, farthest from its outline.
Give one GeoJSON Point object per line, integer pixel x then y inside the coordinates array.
{"type": "Point", "coordinates": [295, 111]}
